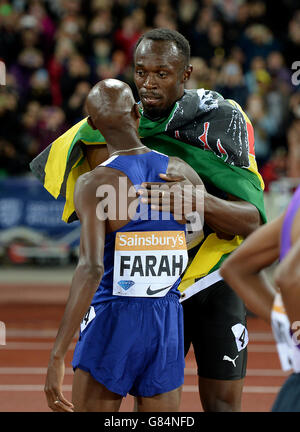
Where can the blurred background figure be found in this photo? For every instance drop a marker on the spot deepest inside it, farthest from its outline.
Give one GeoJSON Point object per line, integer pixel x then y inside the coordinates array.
{"type": "Point", "coordinates": [202, 76]}
{"type": "Point", "coordinates": [231, 83]}
{"type": "Point", "coordinates": [74, 107]}
{"type": "Point", "coordinates": [264, 125]}
{"type": "Point", "coordinates": [294, 148]}
{"type": "Point", "coordinates": [55, 51]}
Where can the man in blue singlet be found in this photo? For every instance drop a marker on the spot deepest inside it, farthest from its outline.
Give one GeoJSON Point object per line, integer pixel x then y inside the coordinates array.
{"type": "Point", "coordinates": [124, 291]}
{"type": "Point", "coordinates": [278, 239]}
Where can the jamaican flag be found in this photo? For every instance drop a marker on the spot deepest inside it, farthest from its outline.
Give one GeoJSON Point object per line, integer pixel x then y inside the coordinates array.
{"type": "Point", "coordinates": [210, 133]}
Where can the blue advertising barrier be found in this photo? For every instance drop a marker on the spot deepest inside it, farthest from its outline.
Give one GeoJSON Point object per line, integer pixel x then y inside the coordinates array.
{"type": "Point", "coordinates": [31, 229]}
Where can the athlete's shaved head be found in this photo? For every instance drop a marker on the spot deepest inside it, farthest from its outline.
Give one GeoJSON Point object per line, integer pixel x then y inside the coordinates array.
{"type": "Point", "coordinates": [110, 105]}
{"type": "Point", "coordinates": [113, 111]}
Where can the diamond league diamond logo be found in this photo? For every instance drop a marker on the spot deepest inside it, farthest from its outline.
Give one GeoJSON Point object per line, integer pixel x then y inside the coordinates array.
{"type": "Point", "coordinates": [126, 284]}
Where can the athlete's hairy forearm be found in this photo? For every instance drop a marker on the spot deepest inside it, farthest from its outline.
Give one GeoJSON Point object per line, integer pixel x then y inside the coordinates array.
{"type": "Point", "coordinates": [84, 284]}
{"type": "Point", "coordinates": [230, 217]}
{"type": "Point", "coordinates": [242, 270]}
{"type": "Point", "coordinates": [287, 278]}
{"type": "Point", "coordinates": [287, 274]}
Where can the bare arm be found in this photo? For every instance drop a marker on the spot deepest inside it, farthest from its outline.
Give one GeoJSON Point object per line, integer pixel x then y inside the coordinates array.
{"type": "Point", "coordinates": [288, 271]}
{"type": "Point", "coordinates": [287, 278]}
{"type": "Point", "coordinates": [85, 281]}
{"type": "Point", "coordinates": [229, 217]}
{"type": "Point", "coordinates": [233, 216]}
{"type": "Point", "coordinates": [242, 269]}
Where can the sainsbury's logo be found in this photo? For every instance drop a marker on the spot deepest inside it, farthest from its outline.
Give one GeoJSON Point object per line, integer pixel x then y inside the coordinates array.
{"type": "Point", "coordinates": [151, 240]}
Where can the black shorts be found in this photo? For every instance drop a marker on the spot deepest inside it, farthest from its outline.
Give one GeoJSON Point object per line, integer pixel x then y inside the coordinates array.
{"type": "Point", "coordinates": [215, 324]}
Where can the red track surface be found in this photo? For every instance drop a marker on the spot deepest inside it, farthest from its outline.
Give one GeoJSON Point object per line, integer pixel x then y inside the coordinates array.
{"type": "Point", "coordinates": [30, 332]}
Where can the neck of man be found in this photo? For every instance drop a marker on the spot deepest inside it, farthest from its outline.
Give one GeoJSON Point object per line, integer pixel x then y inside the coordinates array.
{"type": "Point", "coordinates": [123, 141]}
{"type": "Point", "coordinates": [157, 116]}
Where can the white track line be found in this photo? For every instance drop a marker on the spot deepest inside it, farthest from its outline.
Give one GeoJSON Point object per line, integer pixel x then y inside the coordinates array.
{"type": "Point", "coordinates": [267, 372]}
{"type": "Point", "coordinates": [28, 387]}
{"type": "Point", "coordinates": [29, 371]}
{"type": "Point", "coordinates": [187, 371]}
{"type": "Point", "coordinates": [264, 348]}
{"type": "Point", "coordinates": [51, 333]}
{"type": "Point", "coordinates": [40, 346]}
{"type": "Point", "coordinates": [48, 346]}
{"type": "Point", "coordinates": [246, 389]}
{"type": "Point", "coordinates": [186, 388]}
{"type": "Point", "coordinates": [250, 372]}
{"type": "Point", "coordinates": [261, 336]}
{"type": "Point", "coordinates": [30, 333]}
{"type": "Point", "coordinates": [261, 389]}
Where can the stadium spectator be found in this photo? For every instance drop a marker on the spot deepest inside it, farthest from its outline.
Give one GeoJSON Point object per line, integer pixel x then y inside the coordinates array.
{"type": "Point", "coordinates": [264, 125]}
{"type": "Point", "coordinates": [127, 36]}
{"type": "Point", "coordinates": [55, 50]}
{"type": "Point", "coordinates": [275, 168]}
{"type": "Point", "coordinates": [75, 71]}
{"type": "Point", "coordinates": [292, 42]}
{"type": "Point", "coordinates": [258, 40]}
{"type": "Point", "coordinates": [293, 136]}
{"type": "Point", "coordinates": [231, 83]}
{"type": "Point", "coordinates": [74, 106]}
{"type": "Point", "coordinates": [203, 76]}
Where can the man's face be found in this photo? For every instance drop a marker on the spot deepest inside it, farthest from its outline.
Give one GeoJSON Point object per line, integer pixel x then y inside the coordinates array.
{"type": "Point", "coordinates": [160, 75]}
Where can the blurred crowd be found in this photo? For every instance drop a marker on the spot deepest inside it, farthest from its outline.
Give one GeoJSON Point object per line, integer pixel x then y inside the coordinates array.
{"type": "Point", "coordinates": [56, 50]}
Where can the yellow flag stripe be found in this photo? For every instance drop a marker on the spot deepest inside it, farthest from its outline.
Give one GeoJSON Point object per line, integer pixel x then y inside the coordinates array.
{"type": "Point", "coordinates": [75, 172]}
{"type": "Point", "coordinates": [209, 254]}
{"type": "Point", "coordinates": [254, 169]}
{"type": "Point", "coordinates": [56, 166]}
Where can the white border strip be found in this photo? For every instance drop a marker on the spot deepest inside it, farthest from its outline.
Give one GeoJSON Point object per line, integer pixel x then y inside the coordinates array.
{"type": "Point", "coordinates": [14, 333]}
{"type": "Point", "coordinates": [186, 388]}
{"type": "Point", "coordinates": [47, 346]}
{"type": "Point", "coordinates": [187, 371]}
{"type": "Point", "coordinates": [201, 284]}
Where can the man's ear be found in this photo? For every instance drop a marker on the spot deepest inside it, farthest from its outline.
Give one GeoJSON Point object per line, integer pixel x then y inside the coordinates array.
{"type": "Point", "coordinates": [136, 111]}
{"type": "Point", "coordinates": [187, 72]}
{"type": "Point", "coordinates": [90, 122]}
